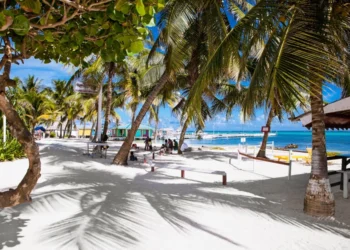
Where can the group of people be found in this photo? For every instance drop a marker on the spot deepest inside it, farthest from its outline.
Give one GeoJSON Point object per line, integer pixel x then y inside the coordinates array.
{"type": "Point", "coordinates": [170, 145]}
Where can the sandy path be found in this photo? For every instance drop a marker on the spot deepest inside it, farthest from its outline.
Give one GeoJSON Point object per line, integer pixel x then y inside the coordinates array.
{"type": "Point", "coordinates": [84, 203]}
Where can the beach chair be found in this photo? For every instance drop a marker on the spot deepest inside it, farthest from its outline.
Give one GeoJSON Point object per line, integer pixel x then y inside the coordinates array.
{"type": "Point", "coordinates": [306, 158]}
{"type": "Point", "coordinates": [297, 157]}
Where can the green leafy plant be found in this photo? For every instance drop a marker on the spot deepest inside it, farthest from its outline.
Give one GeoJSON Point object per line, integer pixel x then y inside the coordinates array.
{"type": "Point", "coordinates": [52, 134]}
{"type": "Point", "coordinates": [11, 150]}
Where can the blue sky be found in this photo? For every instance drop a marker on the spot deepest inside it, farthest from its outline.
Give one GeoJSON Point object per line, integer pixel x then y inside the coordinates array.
{"type": "Point", "coordinates": [53, 71]}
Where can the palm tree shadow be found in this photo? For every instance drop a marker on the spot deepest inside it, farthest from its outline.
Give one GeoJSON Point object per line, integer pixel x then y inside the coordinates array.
{"type": "Point", "coordinates": [10, 229]}
{"type": "Point", "coordinates": [109, 211]}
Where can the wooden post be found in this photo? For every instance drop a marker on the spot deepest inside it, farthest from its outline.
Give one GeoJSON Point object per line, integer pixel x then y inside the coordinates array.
{"type": "Point", "coordinates": [152, 169]}
{"type": "Point", "coordinates": [224, 180]}
{"type": "Point", "coordinates": [153, 156]}
{"type": "Point", "coordinates": [345, 185]}
{"type": "Point", "coordinates": [182, 173]}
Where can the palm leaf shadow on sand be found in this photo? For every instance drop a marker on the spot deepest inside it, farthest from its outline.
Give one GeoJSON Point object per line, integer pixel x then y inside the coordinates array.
{"type": "Point", "coordinates": [10, 229]}
{"type": "Point", "coordinates": [108, 211]}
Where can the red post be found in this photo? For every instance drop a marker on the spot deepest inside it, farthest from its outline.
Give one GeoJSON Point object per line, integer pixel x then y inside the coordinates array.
{"type": "Point", "coordinates": [182, 173]}
{"type": "Point", "coordinates": [153, 156]}
{"type": "Point", "coordinates": [152, 169]}
{"type": "Point", "coordinates": [224, 180]}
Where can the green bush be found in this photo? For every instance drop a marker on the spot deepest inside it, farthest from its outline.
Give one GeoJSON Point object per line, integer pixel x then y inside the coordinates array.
{"type": "Point", "coordinates": [52, 134]}
{"type": "Point", "coordinates": [11, 150]}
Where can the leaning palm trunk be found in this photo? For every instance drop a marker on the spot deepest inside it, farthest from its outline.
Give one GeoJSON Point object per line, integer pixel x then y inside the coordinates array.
{"type": "Point", "coordinates": [83, 129]}
{"type": "Point", "coordinates": [182, 136]}
{"type": "Point", "coordinates": [21, 193]}
{"type": "Point", "coordinates": [109, 99]}
{"type": "Point", "coordinates": [122, 156]}
{"type": "Point", "coordinates": [319, 200]}
{"type": "Point", "coordinates": [96, 128]}
{"type": "Point", "coordinates": [262, 150]}
{"type": "Point", "coordinates": [92, 128]}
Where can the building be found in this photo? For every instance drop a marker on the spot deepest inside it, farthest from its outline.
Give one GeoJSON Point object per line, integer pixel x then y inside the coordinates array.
{"type": "Point", "coordinates": [336, 115]}
{"type": "Point", "coordinates": [143, 131]}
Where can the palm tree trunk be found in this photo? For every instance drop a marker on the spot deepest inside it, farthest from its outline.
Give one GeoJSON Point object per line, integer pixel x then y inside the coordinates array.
{"type": "Point", "coordinates": [182, 136]}
{"type": "Point", "coordinates": [122, 156]}
{"type": "Point", "coordinates": [155, 130]}
{"type": "Point", "coordinates": [61, 125]}
{"type": "Point", "coordinates": [319, 200]}
{"type": "Point", "coordinates": [262, 150]}
{"type": "Point", "coordinates": [109, 99]}
{"type": "Point", "coordinates": [22, 192]}
{"type": "Point", "coordinates": [71, 129]}
{"type": "Point", "coordinates": [65, 129]}
{"type": "Point", "coordinates": [92, 128]}
{"type": "Point", "coordinates": [95, 137]}
{"type": "Point", "coordinates": [84, 129]}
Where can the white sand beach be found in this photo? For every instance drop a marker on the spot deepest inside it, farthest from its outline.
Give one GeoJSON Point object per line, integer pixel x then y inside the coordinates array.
{"type": "Point", "coordinates": [86, 203]}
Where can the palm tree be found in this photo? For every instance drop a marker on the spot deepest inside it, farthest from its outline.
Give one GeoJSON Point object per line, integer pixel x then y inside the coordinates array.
{"type": "Point", "coordinates": [36, 105]}
{"type": "Point", "coordinates": [59, 92]}
{"type": "Point", "coordinates": [175, 20]}
{"type": "Point", "coordinates": [302, 50]}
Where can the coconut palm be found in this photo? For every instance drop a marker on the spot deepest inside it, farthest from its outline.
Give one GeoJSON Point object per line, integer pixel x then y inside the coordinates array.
{"type": "Point", "coordinates": [36, 106]}
{"type": "Point", "coordinates": [58, 93]}
{"type": "Point", "coordinates": [175, 20]}
{"type": "Point", "coordinates": [306, 43]}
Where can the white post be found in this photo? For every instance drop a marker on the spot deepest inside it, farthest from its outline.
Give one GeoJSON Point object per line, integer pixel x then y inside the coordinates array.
{"type": "Point", "coordinates": [254, 152]}
{"type": "Point", "coordinates": [99, 114]}
{"type": "Point", "coordinates": [4, 128]}
{"type": "Point", "coordinates": [290, 165]}
{"type": "Point", "coordinates": [273, 146]}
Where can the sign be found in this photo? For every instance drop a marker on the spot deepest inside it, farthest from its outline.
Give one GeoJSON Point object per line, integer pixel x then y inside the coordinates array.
{"type": "Point", "coordinates": [243, 139]}
{"type": "Point", "coordinates": [265, 129]}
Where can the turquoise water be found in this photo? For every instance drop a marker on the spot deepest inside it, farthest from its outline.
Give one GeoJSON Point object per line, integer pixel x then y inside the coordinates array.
{"type": "Point", "coordinates": [336, 140]}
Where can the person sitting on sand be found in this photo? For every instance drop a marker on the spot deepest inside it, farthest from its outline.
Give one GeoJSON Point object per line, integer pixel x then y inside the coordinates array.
{"type": "Point", "coordinates": [132, 157]}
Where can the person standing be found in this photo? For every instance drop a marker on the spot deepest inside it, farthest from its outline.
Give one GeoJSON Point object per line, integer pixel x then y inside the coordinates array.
{"type": "Point", "coordinates": [150, 144]}
{"type": "Point", "coordinates": [176, 145]}
{"type": "Point", "coordinates": [147, 144]}
{"type": "Point", "coordinates": [170, 145]}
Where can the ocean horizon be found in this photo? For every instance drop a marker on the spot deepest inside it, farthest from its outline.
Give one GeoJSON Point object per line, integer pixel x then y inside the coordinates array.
{"type": "Point", "coordinates": [336, 140]}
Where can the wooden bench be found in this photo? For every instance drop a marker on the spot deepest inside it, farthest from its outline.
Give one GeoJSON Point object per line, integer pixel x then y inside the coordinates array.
{"type": "Point", "coordinates": [183, 169]}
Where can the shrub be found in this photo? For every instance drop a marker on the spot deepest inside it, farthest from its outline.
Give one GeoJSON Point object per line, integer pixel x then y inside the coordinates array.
{"type": "Point", "coordinates": [11, 150]}
{"type": "Point", "coordinates": [52, 134]}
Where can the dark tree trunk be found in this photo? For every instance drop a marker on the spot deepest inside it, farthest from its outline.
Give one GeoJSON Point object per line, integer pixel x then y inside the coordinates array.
{"type": "Point", "coordinates": [262, 150]}
{"type": "Point", "coordinates": [319, 200]}
{"type": "Point", "coordinates": [182, 136]}
{"type": "Point", "coordinates": [21, 194]}
{"type": "Point", "coordinates": [122, 156]}
{"type": "Point", "coordinates": [96, 126]}
{"type": "Point", "coordinates": [109, 99]}
{"type": "Point", "coordinates": [61, 125]}
{"type": "Point", "coordinates": [65, 129]}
